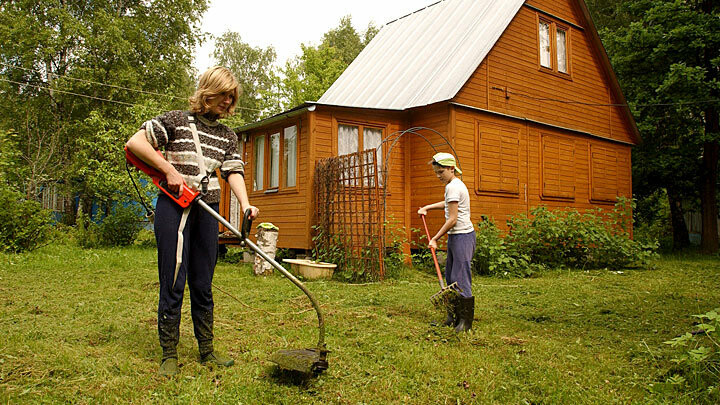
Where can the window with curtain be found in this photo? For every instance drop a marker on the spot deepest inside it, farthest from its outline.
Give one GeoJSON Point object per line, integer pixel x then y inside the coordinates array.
{"type": "Point", "coordinates": [553, 40]}
{"type": "Point", "coordinates": [276, 159]}
{"type": "Point", "coordinates": [562, 50]}
{"type": "Point", "coordinates": [348, 139]}
{"type": "Point", "coordinates": [372, 138]}
{"type": "Point", "coordinates": [290, 155]}
{"type": "Point", "coordinates": [259, 162]}
{"type": "Point", "coordinates": [356, 138]}
{"type": "Point", "coordinates": [274, 180]}
{"type": "Point", "coordinates": [545, 44]}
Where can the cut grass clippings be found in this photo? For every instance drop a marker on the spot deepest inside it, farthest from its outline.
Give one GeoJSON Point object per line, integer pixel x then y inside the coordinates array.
{"type": "Point", "coordinates": [80, 326]}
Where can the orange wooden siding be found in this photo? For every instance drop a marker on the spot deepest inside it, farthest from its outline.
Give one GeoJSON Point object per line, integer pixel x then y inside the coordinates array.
{"type": "Point", "coordinates": [510, 80]}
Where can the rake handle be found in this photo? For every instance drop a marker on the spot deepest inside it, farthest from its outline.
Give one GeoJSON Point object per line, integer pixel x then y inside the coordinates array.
{"type": "Point", "coordinates": [432, 250]}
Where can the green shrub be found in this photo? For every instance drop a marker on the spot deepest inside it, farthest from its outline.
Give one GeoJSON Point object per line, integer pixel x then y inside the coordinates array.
{"type": "Point", "coordinates": [494, 257]}
{"type": "Point", "coordinates": [394, 257]}
{"type": "Point", "coordinates": [234, 255]}
{"type": "Point", "coordinates": [567, 238]}
{"type": "Point", "coordinates": [421, 254]}
{"type": "Point", "coordinates": [697, 371]}
{"type": "Point", "coordinates": [24, 224]}
{"type": "Point", "coordinates": [120, 228]}
{"type": "Point", "coordinates": [653, 221]}
{"type": "Point", "coordinates": [146, 239]}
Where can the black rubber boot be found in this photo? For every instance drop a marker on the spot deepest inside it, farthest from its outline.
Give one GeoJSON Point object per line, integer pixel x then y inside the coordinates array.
{"type": "Point", "coordinates": [466, 314]}
{"type": "Point", "coordinates": [203, 325]}
{"type": "Point", "coordinates": [169, 334]}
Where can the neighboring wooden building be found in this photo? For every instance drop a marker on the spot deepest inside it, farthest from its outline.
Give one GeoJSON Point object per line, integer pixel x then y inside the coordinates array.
{"type": "Point", "coordinates": [523, 91]}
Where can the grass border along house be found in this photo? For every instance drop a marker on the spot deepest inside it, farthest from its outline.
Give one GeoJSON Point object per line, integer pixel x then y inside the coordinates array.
{"type": "Point", "coordinates": [522, 90]}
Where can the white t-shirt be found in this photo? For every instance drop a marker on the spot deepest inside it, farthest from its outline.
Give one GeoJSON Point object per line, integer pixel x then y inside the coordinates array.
{"type": "Point", "coordinates": [457, 191]}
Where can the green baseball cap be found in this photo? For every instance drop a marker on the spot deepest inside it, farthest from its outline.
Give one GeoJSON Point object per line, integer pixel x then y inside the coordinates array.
{"type": "Point", "coordinates": [446, 159]}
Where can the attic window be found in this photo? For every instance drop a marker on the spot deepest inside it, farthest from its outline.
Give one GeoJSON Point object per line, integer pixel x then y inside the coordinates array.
{"type": "Point", "coordinates": [553, 46]}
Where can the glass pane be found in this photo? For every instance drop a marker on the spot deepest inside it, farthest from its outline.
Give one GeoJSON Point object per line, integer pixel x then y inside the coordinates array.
{"type": "Point", "coordinates": [562, 50]}
{"type": "Point", "coordinates": [545, 44]}
{"type": "Point", "coordinates": [347, 139]}
{"type": "Point", "coordinates": [290, 155]}
{"type": "Point", "coordinates": [372, 138]}
{"type": "Point", "coordinates": [259, 152]}
{"type": "Point", "coordinates": [274, 160]}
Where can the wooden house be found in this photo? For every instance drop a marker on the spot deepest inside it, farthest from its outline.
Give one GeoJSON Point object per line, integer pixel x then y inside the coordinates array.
{"type": "Point", "coordinates": [522, 92]}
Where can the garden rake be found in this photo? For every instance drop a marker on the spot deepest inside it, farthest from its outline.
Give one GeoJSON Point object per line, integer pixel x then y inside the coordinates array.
{"type": "Point", "coordinates": [447, 294]}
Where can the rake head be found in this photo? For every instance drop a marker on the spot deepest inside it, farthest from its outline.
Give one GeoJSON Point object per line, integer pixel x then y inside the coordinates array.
{"type": "Point", "coordinates": [446, 296]}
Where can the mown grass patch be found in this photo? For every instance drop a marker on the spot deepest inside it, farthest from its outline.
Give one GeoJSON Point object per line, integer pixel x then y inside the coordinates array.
{"type": "Point", "coordinates": [80, 326]}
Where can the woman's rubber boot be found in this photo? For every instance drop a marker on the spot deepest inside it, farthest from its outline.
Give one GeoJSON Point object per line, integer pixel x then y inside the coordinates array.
{"type": "Point", "coordinates": [169, 367]}
{"type": "Point", "coordinates": [466, 314]}
{"type": "Point", "coordinates": [216, 359]}
{"type": "Point", "coordinates": [169, 334]}
{"type": "Point", "coordinates": [203, 324]}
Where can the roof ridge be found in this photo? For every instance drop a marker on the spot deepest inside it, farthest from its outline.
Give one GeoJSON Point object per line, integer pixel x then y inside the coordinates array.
{"type": "Point", "coordinates": [414, 12]}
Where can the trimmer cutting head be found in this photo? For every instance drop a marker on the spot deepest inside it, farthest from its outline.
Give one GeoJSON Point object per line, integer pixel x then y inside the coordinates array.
{"type": "Point", "coordinates": [446, 296]}
{"type": "Point", "coordinates": [306, 361]}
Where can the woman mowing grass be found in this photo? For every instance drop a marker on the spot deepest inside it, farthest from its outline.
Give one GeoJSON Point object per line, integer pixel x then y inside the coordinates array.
{"type": "Point", "coordinates": [461, 239]}
{"type": "Point", "coordinates": [195, 145]}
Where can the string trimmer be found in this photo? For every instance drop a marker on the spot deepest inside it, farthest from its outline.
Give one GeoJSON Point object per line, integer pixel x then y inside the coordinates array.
{"type": "Point", "coordinates": [447, 294]}
{"type": "Point", "coordinates": [308, 361]}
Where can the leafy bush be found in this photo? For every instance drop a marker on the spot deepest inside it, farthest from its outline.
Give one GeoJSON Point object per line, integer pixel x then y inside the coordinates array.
{"type": "Point", "coordinates": [24, 224]}
{"type": "Point", "coordinates": [421, 254]}
{"type": "Point", "coordinates": [653, 221]}
{"type": "Point", "coordinates": [494, 257]}
{"type": "Point", "coordinates": [394, 258]}
{"type": "Point", "coordinates": [120, 228]}
{"type": "Point", "coordinates": [595, 239]}
{"type": "Point", "coordinates": [234, 255]}
{"type": "Point", "coordinates": [559, 238]}
{"type": "Point", "coordinates": [698, 368]}
{"type": "Point", "coordinates": [146, 239]}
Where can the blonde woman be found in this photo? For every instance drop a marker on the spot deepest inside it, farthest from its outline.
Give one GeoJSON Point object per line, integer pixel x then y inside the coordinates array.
{"type": "Point", "coordinates": [187, 239]}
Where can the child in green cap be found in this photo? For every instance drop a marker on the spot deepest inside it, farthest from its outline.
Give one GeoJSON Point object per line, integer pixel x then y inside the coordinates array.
{"type": "Point", "coordinates": [461, 239]}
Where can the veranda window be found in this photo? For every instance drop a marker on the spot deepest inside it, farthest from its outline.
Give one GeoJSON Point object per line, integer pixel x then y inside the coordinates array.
{"type": "Point", "coordinates": [259, 161]}
{"type": "Point", "coordinates": [276, 160]}
{"type": "Point", "coordinates": [290, 155]}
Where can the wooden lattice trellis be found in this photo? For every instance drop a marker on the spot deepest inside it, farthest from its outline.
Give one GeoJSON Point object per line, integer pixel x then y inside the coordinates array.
{"type": "Point", "coordinates": [349, 211]}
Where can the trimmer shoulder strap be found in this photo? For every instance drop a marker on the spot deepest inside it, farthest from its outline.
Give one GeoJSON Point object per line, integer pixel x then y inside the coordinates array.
{"type": "Point", "coordinates": [198, 149]}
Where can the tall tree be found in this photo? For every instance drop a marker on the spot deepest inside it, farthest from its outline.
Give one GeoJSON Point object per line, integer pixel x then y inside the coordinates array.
{"type": "Point", "coordinates": [71, 71]}
{"type": "Point", "coordinates": [668, 62]}
{"type": "Point", "coordinates": [254, 69]}
{"type": "Point", "coordinates": [310, 74]}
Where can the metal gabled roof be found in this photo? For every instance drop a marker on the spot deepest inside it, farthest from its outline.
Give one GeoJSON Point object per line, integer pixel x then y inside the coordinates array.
{"type": "Point", "coordinates": [424, 57]}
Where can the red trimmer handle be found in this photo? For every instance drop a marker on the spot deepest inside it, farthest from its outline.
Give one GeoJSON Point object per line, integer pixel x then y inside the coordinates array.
{"type": "Point", "coordinates": [437, 265]}
{"type": "Point", "coordinates": [183, 198]}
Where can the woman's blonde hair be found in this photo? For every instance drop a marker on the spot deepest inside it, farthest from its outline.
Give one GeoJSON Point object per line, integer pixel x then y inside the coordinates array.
{"type": "Point", "coordinates": [215, 81]}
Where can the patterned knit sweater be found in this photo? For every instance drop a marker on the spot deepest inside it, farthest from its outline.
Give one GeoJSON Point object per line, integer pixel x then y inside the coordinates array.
{"type": "Point", "coordinates": [219, 147]}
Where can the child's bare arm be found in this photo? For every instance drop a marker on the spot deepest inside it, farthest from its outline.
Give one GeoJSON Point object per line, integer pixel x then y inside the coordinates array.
{"type": "Point", "coordinates": [437, 206]}
{"type": "Point", "coordinates": [449, 223]}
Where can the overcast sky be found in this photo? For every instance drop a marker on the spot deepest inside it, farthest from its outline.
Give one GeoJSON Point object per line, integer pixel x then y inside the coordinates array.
{"type": "Point", "coordinates": [286, 24]}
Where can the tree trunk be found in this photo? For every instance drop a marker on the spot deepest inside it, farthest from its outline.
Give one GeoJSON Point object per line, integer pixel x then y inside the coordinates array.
{"type": "Point", "coordinates": [709, 243]}
{"type": "Point", "coordinates": [681, 237]}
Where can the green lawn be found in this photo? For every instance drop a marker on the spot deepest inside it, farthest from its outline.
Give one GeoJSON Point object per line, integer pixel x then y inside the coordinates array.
{"type": "Point", "coordinates": [79, 326]}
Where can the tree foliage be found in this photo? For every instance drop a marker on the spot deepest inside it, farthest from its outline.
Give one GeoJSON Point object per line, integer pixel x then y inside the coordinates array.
{"type": "Point", "coordinates": [72, 73]}
{"type": "Point", "coordinates": [309, 75]}
{"type": "Point", "coordinates": [667, 60]}
{"type": "Point", "coordinates": [254, 68]}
